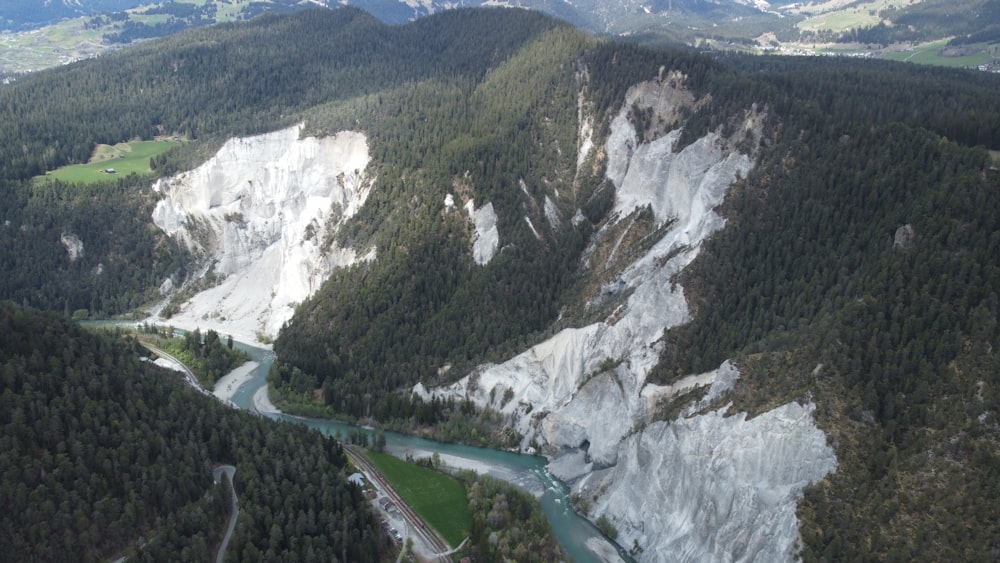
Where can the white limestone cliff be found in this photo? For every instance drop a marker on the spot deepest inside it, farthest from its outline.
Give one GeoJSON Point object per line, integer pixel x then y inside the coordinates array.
{"type": "Point", "coordinates": [558, 385]}
{"type": "Point", "coordinates": [582, 395]}
{"type": "Point", "coordinates": [258, 213]}
{"type": "Point", "coordinates": [714, 487]}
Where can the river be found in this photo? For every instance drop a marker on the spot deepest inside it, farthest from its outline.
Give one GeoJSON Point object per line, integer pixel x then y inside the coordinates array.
{"type": "Point", "coordinates": [572, 532]}
{"type": "Point", "coordinates": [581, 540]}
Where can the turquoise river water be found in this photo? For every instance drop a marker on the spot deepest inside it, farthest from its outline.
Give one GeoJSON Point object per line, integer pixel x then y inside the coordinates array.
{"type": "Point", "coordinates": [573, 532]}
{"type": "Point", "coordinates": [529, 472]}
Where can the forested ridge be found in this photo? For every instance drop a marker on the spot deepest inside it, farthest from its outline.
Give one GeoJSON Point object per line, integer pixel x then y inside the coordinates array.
{"type": "Point", "coordinates": [208, 85]}
{"type": "Point", "coordinates": [859, 270]}
{"type": "Point", "coordinates": [104, 454]}
{"type": "Point", "coordinates": [124, 257]}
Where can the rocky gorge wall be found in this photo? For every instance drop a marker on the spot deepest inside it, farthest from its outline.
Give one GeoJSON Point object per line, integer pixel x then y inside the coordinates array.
{"type": "Point", "coordinates": [706, 487]}
{"type": "Point", "coordinates": [257, 214]}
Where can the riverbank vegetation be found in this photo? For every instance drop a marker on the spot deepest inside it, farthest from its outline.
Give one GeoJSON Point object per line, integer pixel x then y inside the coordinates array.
{"type": "Point", "coordinates": [447, 420]}
{"type": "Point", "coordinates": [103, 454]}
{"type": "Point", "coordinates": [208, 356]}
{"type": "Point", "coordinates": [857, 268]}
{"type": "Point", "coordinates": [507, 523]}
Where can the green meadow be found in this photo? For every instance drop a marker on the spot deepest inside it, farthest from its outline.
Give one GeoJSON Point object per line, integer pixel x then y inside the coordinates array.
{"type": "Point", "coordinates": [123, 159]}
{"type": "Point", "coordinates": [930, 54]}
{"type": "Point", "coordinates": [440, 500]}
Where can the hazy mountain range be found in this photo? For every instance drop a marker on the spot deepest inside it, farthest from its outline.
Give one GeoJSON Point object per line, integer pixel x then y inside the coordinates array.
{"type": "Point", "coordinates": [962, 33]}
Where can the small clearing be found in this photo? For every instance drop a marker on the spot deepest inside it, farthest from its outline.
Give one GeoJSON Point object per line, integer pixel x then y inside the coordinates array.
{"type": "Point", "coordinates": [107, 162]}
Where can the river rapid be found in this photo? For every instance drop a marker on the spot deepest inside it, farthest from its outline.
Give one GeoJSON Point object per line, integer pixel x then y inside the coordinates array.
{"type": "Point", "coordinates": [581, 540]}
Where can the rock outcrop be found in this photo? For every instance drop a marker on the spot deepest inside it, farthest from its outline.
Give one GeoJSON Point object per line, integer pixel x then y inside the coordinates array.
{"type": "Point", "coordinates": [261, 214]}
{"type": "Point", "coordinates": [487, 236]}
{"type": "Point", "coordinates": [582, 395]}
{"type": "Point", "coordinates": [73, 245]}
{"type": "Point", "coordinates": [558, 384]}
{"type": "Point", "coordinates": [713, 487]}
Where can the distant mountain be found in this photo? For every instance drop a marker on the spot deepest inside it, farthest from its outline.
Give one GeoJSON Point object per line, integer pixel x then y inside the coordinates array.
{"type": "Point", "coordinates": [960, 33]}
{"type": "Point", "coordinates": [22, 15]}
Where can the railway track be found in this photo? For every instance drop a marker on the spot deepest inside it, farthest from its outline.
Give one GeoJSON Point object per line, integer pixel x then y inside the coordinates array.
{"type": "Point", "coordinates": [427, 535]}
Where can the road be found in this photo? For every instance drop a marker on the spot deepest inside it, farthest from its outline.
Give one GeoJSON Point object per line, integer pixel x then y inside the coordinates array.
{"type": "Point", "coordinates": [229, 470]}
{"type": "Point", "coordinates": [234, 512]}
{"type": "Point", "coordinates": [188, 374]}
{"type": "Point", "coordinates": [433, 545]}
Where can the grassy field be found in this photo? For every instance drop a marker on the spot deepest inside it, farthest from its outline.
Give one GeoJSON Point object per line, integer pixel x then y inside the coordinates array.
{"type": "Point", "coordinates": [838, 15]}
{"type": "Point", "coordinates": [438, 499]}
{"type": "Point", "coordinates": [124, 158]}
{"type": "Point", "coordinates": [930, 54]}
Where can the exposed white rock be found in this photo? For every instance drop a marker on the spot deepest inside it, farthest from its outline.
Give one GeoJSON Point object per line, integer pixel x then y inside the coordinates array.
{"type": "Point", "coordinates": [586, 131]}
{"type": "Point", "coordinates": [169, 364]}
{"type": "Point", "coordinates": [532, 227]}
{"type": "Point", "coordinates": [487, 237]}
{"type": "Point", "coordinates": [166, 287]}
{"type": "Point", "coordinates": [258, 212]}
{"type": "Point", "coordinates": [73, 244]}
{"type": "Point", "coordinates": [552, 213]}
{"type": "Point", "coordinates": [557, 380]}
{"type": "Point", "coordinates": [582, 394]}
{"type": "Point", "coordinates": [714, 487]}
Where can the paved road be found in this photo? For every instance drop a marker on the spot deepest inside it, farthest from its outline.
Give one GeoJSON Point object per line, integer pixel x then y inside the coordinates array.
{"type": "Point", "coordinates": [234, 513]}
{"type": "Point", "coordinates": [229, 470]}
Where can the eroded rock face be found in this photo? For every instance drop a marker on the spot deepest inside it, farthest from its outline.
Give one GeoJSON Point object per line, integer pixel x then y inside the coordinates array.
{"type": "Point", "coordinates": [73, 245]}
{"type": "Point", "coordinates": [258, 213]}
{"type": "Point", "coordinates": [559, 385]}
{"type": "Point", "coordinates": [903, 236]}
{"type": "Point", "coordinates": [708, 487]}
{"type": "Point", "coordinates": [714, 487]}
{"type": "Point", "coordinates": [487, 236]}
